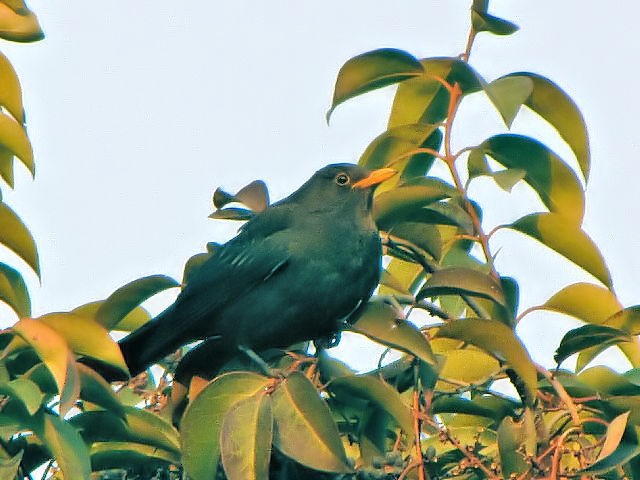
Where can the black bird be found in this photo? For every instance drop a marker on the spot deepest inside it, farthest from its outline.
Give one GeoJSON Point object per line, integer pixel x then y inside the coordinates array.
{"type": "Point", "coordinates": [296, 271]}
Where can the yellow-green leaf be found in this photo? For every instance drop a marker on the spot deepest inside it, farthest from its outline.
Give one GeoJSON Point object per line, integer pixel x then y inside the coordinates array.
{"type": "Point", "coordinates": [13, 291]}
{"type": "Point", "coordinates": [13, 137]}
{"type": "Point", "coordinates": [94, 389]}
{"type": "Point", "coordinates": [9, 467]}
{"type": "Point", "coordinates": [614, 435]}
{"type": "Point", "coordinates": [202, 422]}
{"type": "Point", "coordinates": [372, 70]}
{"type": "Point", "coordinates": [585, 301]}
{"type": "Point", "coordinates": [508, 94]}
{"type": "Point", "coordinates": [19, 24]}
{"type": "Point", "coordinates": [25, 391]}
{"type": "Point", "coordinates": [462, 281]}
{"type": "Point", "coordinates": [550, 102]}
{"type": "Point", "coordinates": [495, 338]}
{"type": "Point", "coordinates": [132, 320]}
{"type": "Point", "coordinates": [121, 302]}
{"type": "Point", "coordinates": [304, 428]}
{"type": "Point", "coordinates": [16, 236]}
{"type": "Point", "coordinates": [554, 182]}
{"type": "Point", "coordinates": [245, 439]}
{"type": "Point", "coordinates": [381, 323]}
{"type": "Point", "coordinates": [10, 91]}
{"type": "Point", "coordinates": [567, 239]}
{"type": "Point", "coordinates": [86, 337]}
{"type": "Point", "coordinates": [468, 366]}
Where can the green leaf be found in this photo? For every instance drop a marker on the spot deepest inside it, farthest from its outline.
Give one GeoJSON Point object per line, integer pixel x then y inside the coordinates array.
{"type": "Point", "coordinates": [202, 421]}
{"type": "Point", "coordinates": [500, 341]}
{"type": "Point", "coordinates": [550, 102]}
{"type": "Point", "coordinates": [49, 345]}
{"type": "Point", "coordinates": [484, 22]}
{"type": "Point", "coordinates": [25, 391]}
{"type": "Point", "coordinates": [245, 442]}
{"type": "Point", "coordinates": [132, 321]}
{"type": "Point", "coordinates": [122, 455]}
{"type": "Point", "coordinates": [86, 337]}
{"type": "Point", "coordinates": [254, 195]}
{"type": "Point", "coordinates": [94, 389]}
{"type": "Point", "coordinates": [15, 235]}
{"type": "Point", "coordinates": [622, 454]}
{"type": "Point", "coordinates": [588, 336]}
{"type": "Point", "coordinates": [378, 393]}
{"type": "Point", "coordinates": [585, 301]}
{"type": "Point", "coordinates": [9, 467]}
{"type": "Point", "coordinates": [13, 136]}
{"type": "Point", "coordinates": [232, 213]}
{"type": "Point", "coordinates": [511, 436]}
{"type": "Point", "coordinates": [65, 444]}
{"type": "Point", "coordinates": [424, 99]}
{"type": "Point", "coordinates": [380, 322]}
{"type": "Point", "coordinates": [608, 382]}
{"type": "Point", "coordinates": [372, 70]}
{"type": "Point", "coordinates": [392, 147]}
{"type": "Point", "coordinates": [121, 302]}
{"type": "Point", "coordinates": [568, 240]}
{"type": "Point", "coordinates": [468, 366]}
{"type": "Point", "coordinates": [462, 281]}
{"type": "Point", "coordinates": [19, 25]}
{"type": "Point", "coordinates": [6, 166]}
{"type": "Point", "coordinates": [392, 206]}
{"type": "Point", "coordinates": [425, 236]}
{"type": "Point", "coordinates": [612, 439]}
{"type": "Point", "coordinates": [508, 94]}
{"type": "Point", "coordinates": [304, 428]}
{"type": "Point", "coordinates": [554, 182]}
{"type": "Point", "coordinates": [10, 91]}
{"type": "Point", "coordinates": [506, 179]}
{"type": "Point", "coordinates": [151, 429]}
{"type": "Point", "coordinates": [13, 291]}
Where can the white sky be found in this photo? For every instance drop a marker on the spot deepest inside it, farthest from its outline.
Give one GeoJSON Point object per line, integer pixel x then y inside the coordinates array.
{"type": "Point", "coordinates": [138, 110]}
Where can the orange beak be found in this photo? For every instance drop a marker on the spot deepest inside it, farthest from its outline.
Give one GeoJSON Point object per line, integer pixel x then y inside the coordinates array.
{"type": "Point", "coordinates": [375, 177]}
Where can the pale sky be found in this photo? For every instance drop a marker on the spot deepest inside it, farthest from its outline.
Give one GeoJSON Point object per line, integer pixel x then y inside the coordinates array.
{"type": "Point", "coordinates": [137, 111]}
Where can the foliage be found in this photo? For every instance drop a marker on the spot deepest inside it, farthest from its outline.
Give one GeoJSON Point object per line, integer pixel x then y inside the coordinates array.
{"type": "Point", "coordinates": [434, 412]}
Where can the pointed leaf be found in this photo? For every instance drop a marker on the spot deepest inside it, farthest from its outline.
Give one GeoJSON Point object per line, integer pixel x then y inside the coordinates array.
{"type": "Point", "coordinates": [254, 195]}
{"type": "Point", "coordinates": [380, 394]}
{"type": "Point", "coordinates": [424, 99]}
{"type": "Point", "coordinates": [202, 421]}
{"type": "Point", "coordinates": [584, 301]}
{"type": "Point", "coordinates": [232, 213]}
{"type": "Point", "coordinates": [245, 439]}
{"type": "Point", "coordinates": [393, 205]}
{"type": "Point", "coordinates": [506, 179]}
{"type": "Point", "coordinates": [121, 302]}
{"type": "Point", "coordinates": [462, 281]}
{"type": "Point", "coordinates": [550, 102]}
{"type": "Point", "coordinates": [613, 437]}
{"type": "Point", "coordinates": [86, 337]}
{"type": "Point", "coordinates": [15, 236]}
{"type": "Point", "coordinates": [13, 136]}
{"type": "Point", "coordinates": [484, 22]}
{"type": "Point", "coordinates": [122, 455]}
{"type": "Point", "coordinates": [49, 345]}
{"type": "Point", "coordinates": [132, 321]}
{"type": "Point", "coordinates": [508, 94]}
{"type": "Point", "coordinates": [380, 322]}
{"type": "Point", "coordinates": [588, 336]}
{"type": "Point", "coordinates": [495, 338]}
{"type": "Point", "coordinates": [25, 391]}
{"type": "Point", "coordinates": [94, 389]}
{"type": "Point", "coordinates": [554, 182]}
{"type": "Point", "coordinates": [65, 444]}
{"type": "Point", "coordinates": [622, 454]}
{"type": "Point", "coordinates": [568, 240]}
{"type": "Point", "coordinates": [511, 436]}
{"type": "Point", "coordinates": [6, 166]}
{"type": "Point", "coordinates": [151, 429]}
{"type": "Point", "coordinates": [13, 291]}
{"type": "Point", "coordinates": [10, 91]}
{"type": "Point", "coordinates": [391, 146]}
{"type": "Point", "coordinates": [373, 70]}
{"type": "Point", "coordinates": [19, 25]}
{"type": "Point", "coordinates": [304, 428]}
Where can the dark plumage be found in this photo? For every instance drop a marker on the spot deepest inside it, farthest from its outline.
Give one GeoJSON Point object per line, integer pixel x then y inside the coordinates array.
{"type": "Point", "coordinates": [294, 272]}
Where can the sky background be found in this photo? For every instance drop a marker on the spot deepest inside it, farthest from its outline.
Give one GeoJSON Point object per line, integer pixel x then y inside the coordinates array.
{"type": "Point", "coordinates": [137, 111]}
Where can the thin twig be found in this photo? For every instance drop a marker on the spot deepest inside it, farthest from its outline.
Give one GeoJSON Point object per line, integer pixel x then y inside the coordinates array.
{"type": "Point", "coordinates": [418, 431]}
{"type": "Point", "coordinates": [562, 393]}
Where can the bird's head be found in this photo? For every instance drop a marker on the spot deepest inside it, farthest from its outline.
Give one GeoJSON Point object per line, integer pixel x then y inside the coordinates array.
{"type": "Point", "coordinates": [343, 186]}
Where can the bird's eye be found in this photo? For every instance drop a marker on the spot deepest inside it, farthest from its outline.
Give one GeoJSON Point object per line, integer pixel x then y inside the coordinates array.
{"type": "Point", "coordinates": [342, 179]}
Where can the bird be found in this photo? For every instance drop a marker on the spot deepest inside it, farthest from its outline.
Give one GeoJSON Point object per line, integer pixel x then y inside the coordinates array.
{"type": "Point", "coordinates": [297, 271]}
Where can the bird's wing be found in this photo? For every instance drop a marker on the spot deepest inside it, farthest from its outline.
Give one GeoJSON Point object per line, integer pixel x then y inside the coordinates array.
{"type": "Point", "coordinates": [249, 259]}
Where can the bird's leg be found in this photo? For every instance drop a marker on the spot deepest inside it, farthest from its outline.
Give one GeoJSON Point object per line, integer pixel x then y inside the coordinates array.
{"type": "Point", "coordinates": [266, 369]}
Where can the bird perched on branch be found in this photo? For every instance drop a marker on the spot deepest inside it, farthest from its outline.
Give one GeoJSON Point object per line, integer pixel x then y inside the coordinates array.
{"type": "Point", "coordinates": [296, 271]}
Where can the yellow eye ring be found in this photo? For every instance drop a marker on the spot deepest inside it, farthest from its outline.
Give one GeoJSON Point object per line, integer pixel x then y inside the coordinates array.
{"type": "Point", "coordinates": [342, 179]}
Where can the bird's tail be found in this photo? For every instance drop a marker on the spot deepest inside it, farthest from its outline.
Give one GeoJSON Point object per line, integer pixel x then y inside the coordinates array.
{"type": "Point", "coordinates": [151, 342]}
